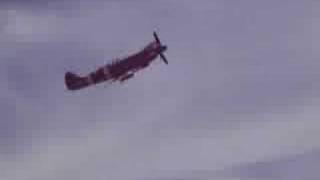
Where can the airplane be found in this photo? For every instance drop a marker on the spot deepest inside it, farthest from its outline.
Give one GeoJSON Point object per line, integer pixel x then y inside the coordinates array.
{"type": "Point", "coordinates": [120, 69]}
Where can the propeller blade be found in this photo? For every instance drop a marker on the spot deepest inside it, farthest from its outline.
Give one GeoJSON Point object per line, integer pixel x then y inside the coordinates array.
{"type": "Point", "coordinates": [156, 37]}
{"type": "Point", "coordinates": [163, 57]}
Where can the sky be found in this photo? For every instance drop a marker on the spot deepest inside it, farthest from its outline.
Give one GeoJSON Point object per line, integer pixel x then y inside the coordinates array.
{"type": "Point", "coordinates": [239, 99]}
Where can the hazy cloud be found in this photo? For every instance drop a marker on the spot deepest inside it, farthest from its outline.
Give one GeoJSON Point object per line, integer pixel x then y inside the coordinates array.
{"type": "Point", "coordinates": [242, 86]}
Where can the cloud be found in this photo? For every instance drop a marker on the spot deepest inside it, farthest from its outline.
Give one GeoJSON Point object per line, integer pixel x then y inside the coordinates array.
{"type": "Point", "coordinates": [300, 166]}
{"type": "Point", "coordinates": [241, 87]}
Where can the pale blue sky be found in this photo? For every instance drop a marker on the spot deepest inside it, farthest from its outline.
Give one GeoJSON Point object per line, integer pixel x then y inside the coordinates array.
{"type": "Point", "coordinates": [241, 89]}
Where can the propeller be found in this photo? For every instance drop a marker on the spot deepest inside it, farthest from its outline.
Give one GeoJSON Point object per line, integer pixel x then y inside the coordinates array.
{"type": "Point", "coordinates": [163, 57]}
{"type": "Point", "coordinates": [156, 37]}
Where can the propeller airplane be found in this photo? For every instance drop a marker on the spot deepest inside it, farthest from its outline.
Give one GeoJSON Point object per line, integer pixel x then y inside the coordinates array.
{"type": "Point", "coordinates": [120, 69]}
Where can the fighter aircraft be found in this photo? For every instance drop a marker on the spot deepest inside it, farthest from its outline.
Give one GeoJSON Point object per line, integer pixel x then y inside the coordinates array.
{"type": "Point", "coordinates": [120, 69]}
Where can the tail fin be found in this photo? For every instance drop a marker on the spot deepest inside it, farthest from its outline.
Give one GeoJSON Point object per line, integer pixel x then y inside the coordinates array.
{"type": "Point", "coordinates": [72, 80]}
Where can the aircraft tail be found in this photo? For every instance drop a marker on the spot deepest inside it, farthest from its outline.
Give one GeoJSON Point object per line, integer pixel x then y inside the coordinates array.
{"type": "Point", "coordinates": [72, 80]}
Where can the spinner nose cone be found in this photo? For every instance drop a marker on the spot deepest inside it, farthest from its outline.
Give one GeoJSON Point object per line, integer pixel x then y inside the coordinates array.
{"type": "Point", "coordinates": [164, 48]}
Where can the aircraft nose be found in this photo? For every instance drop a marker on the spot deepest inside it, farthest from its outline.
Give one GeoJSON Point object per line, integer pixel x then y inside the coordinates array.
{"type": "Point", "coordinates": [164, 48]}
